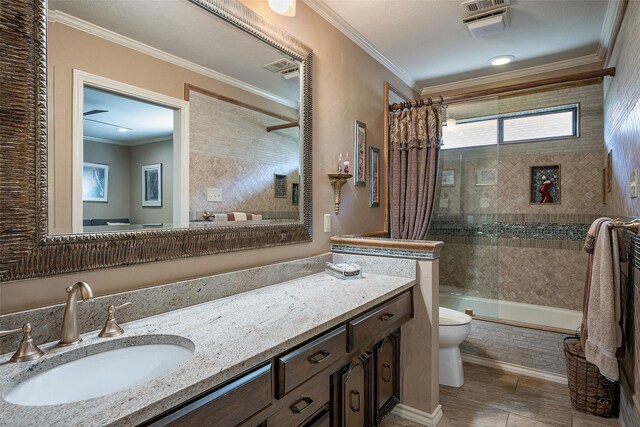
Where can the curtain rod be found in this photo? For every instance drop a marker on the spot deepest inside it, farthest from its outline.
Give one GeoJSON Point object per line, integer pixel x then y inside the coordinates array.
{"type": "Point", "coordinates": [589, 75]}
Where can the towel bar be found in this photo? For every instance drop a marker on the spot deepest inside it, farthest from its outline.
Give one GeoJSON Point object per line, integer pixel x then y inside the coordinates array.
{"type": "Point", "coordinates": [633, 226]}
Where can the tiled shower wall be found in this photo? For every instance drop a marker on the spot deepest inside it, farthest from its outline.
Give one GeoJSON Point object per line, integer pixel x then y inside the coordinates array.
{"type": "Point", "coordinates": [230, 149]}
{"type": "Point", "coordinates": [498, 245]}
{"type": "Point", "coordinates": [622, 135]}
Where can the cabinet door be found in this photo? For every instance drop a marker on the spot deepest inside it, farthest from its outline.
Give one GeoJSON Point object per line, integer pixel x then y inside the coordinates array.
{"type": "Point", "coordinates": [387, 375]}
{"type": "Point", "coordinates": [351, 394]}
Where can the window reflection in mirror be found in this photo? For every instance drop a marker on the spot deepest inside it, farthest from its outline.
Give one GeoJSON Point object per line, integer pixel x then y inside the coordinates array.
{"type": "Point", "coordinates": [239, 126]}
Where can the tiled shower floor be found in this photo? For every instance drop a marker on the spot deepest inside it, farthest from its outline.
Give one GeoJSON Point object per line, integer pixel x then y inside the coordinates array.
{"type": "Point", "coordinates": [492, 398]}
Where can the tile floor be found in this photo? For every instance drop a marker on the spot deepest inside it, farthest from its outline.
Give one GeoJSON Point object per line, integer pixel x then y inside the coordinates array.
{"type": "Point", "coordinates": [492, 398]}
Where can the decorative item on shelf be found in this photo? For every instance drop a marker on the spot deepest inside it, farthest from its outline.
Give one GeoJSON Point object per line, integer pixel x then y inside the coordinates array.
{"type": "Point", "coordinates": [544, 187]}
{"type": "Point", "coordinates": [360, 147]}
{"type": "Point", "coordinates": [374, 177]}
{"type": "Point", "coordinates": [152, 185]}
{"type": "Point", "coordinates": [339, 167]}
{"type": "Point", "coordinates": [337, 180]}
{"type": "Point", "coordinates": [345, 167]}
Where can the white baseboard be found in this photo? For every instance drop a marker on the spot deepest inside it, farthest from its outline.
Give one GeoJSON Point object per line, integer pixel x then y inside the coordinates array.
{"type": "Point", "coordinates": [515, 369]}
{"type": "Point", "coordinates": [422, 418]}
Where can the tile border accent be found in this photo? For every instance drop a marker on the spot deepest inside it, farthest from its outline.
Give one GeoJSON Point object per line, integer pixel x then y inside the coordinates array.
{"type": "Point", "coordinates": [397, 253]}
{"type": "Point", "coordinates": [417, 416]}
{"type": "Point", "coordinates": [514, 369]}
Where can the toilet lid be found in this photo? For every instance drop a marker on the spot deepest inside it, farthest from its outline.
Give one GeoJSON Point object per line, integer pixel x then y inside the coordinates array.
{"type": "Point", "coordinates": [450, 317]}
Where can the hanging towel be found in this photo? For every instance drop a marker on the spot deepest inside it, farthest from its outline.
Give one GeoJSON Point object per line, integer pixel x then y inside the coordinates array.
{"type": "Point", "coordinates": [601, 332]}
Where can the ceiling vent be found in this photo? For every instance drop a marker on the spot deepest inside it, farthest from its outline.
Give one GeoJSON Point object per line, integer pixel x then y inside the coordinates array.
{"type": "Point", "coordinates": [281, 65]}
{"type": "Point", "coordinates": [475, 6]}
{"type": "Point", "coordinates": [487, 23]}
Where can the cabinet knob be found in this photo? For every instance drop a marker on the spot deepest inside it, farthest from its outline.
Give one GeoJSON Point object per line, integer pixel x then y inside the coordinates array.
{"type": "Point", "coordinates": [305, 401]}
{"type": "Point", "coordinates": [319, 356]}
{"type": "Point", "coordinates": [355, 394]}
{"type": "Point", "coordinates": [386, 317]}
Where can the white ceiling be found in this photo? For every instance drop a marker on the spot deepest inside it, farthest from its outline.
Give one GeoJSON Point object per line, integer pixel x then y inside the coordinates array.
{"type": "Point", "coordinates": [147, 122]}
{"type": "Point", "coordinates": [427, 43]}
{"type": "Point", "coordinates": [186, 31]}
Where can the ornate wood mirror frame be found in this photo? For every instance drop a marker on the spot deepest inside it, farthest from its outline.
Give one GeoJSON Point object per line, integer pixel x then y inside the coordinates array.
{"type": "Point", "coordinates": [27, 250]}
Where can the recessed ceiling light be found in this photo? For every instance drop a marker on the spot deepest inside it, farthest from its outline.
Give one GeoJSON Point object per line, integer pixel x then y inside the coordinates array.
{"type": "Point", "coordinates": [283, 7]}
{"type": "Point", "coordinates": [502, 60]}
{"type": "Point", "coordinates": [123, 130]}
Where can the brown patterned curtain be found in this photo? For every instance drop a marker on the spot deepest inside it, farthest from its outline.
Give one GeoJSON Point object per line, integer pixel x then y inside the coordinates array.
{"type": "Point", "coordinates": [415, 139]}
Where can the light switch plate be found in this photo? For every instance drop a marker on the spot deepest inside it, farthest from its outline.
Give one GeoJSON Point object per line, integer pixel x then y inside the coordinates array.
{"type": "Point", "coordinates": [214, 194]}
{"type": "Point", "coordinates": [327, 223]}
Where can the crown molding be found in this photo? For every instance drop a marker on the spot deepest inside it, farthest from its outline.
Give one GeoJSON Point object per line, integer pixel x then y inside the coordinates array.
{"type": "Point", "coordinates": [508, 75]}
{"type": "Point", "coordinates": [610, 27]}
{"type": "Point", "coordinates": [322, 9]}
{"type": "Point", "coordinates": [103, 33]}
{"type": "Point", "coordinates": [128, 144]}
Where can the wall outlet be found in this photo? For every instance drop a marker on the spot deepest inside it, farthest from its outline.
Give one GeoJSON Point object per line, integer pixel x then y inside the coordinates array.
{"type": "Point", "coordinates": [214, 194]}
{"type": "Point", "coordinates": [327, 223]}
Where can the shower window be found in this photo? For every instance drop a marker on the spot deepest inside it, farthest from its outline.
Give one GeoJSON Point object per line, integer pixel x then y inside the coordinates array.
{"type": "Point", "coordinates": [525, 126]}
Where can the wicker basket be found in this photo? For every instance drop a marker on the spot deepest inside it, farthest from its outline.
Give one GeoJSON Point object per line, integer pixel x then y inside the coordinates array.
{"type": "Point", "coordinates": [591, 393]}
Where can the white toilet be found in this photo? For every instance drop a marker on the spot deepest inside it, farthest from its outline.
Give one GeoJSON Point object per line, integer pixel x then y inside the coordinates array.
{"type": "Point", "coordinates": [454, 328]}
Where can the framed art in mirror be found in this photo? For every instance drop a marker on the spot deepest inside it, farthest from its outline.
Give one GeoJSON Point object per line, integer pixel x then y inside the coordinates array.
{"type": "Point", "coordinates": [28, 248]}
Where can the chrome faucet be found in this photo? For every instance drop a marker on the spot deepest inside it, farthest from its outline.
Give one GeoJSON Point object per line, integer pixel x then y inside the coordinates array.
{"type": "Point", "coordinates": [70, 333]}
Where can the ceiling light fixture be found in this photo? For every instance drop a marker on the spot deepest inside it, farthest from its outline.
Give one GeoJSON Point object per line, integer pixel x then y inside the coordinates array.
{"type": "Point", "coordinates": [502, 59]}
{"type": "Point", "coordinates": [122, 130]}
{"type": "Point", "coordinates": [283, 7]}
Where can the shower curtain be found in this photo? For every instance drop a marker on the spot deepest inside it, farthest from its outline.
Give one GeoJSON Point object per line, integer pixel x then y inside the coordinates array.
{"type": "Point", "coordinates": [414, 143]}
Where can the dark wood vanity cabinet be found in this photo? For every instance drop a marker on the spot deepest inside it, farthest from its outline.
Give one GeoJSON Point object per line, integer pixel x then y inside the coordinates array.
{"type": "Point", "coordinates": [346, 377]}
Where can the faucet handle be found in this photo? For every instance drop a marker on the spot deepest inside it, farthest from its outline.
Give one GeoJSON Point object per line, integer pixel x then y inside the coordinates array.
{"type": "Point", "coordinates": [111, 327]}
{"type": "Point", "coordinates": [27, 350]}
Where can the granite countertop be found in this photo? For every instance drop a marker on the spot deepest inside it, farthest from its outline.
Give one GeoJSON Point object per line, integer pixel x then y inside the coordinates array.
{"type": "Point", "coordinates": [231, 335]}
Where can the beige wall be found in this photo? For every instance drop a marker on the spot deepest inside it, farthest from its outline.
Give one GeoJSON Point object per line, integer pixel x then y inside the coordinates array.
{"type": "Point", "coordinates": [348, 85]}
{"type": "Point", "coordinates": [622, 135]}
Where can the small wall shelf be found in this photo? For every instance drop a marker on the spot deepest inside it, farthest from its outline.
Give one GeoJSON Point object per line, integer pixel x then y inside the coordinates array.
{"type": "Point", "coordinates": [337, 180]}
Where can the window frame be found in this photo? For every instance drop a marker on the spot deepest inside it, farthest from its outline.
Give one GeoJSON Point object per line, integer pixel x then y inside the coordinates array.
{"type": "Point", "coordinates": [500, 119]}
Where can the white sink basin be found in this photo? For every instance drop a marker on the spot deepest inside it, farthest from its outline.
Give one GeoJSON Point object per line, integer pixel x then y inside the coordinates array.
{"type": "Point", "coordinates": [99, 374]}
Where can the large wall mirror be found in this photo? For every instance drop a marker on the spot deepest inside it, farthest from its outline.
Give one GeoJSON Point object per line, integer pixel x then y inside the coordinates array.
{"type": "Point", "coordinates": [163, 129]}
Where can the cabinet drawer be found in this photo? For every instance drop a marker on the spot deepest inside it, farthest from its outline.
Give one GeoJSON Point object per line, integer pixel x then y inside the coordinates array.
{"type": "Point", "coordinates": [296, 367]}
{"type": "Point", "coordinates": [227, 405]}
{"type": "Point", "coordinates": [379, 321]}
{"type": "Point", "coordinates": [308, 400]}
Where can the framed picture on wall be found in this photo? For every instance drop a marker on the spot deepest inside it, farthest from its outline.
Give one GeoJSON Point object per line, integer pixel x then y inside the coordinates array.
{"type": "Point", "coordinates": [360, 147]}
{"type": "Point", "coordinates": [486, 177]}
{"type": "Point", "coordinates": [544, 187]}
{"type": "Point", "coordinates": [448, 178]}
{"type": "Point", "coordinates": [279, 186]}
{"type": "Point", "coordinates": [152, 185]}
{"type": "Point", "coordinates": [374, 177]}
{"type": "Point", "coordinates": [295, 193]}
{"type": "Point", "coordinates": [610, 171]}
{"type": "Point", "coordinates": [95, 182]}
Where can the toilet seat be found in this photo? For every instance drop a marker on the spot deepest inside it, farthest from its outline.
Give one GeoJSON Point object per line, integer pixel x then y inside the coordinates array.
{"type": "Point", "coordinates": [450, 317]}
